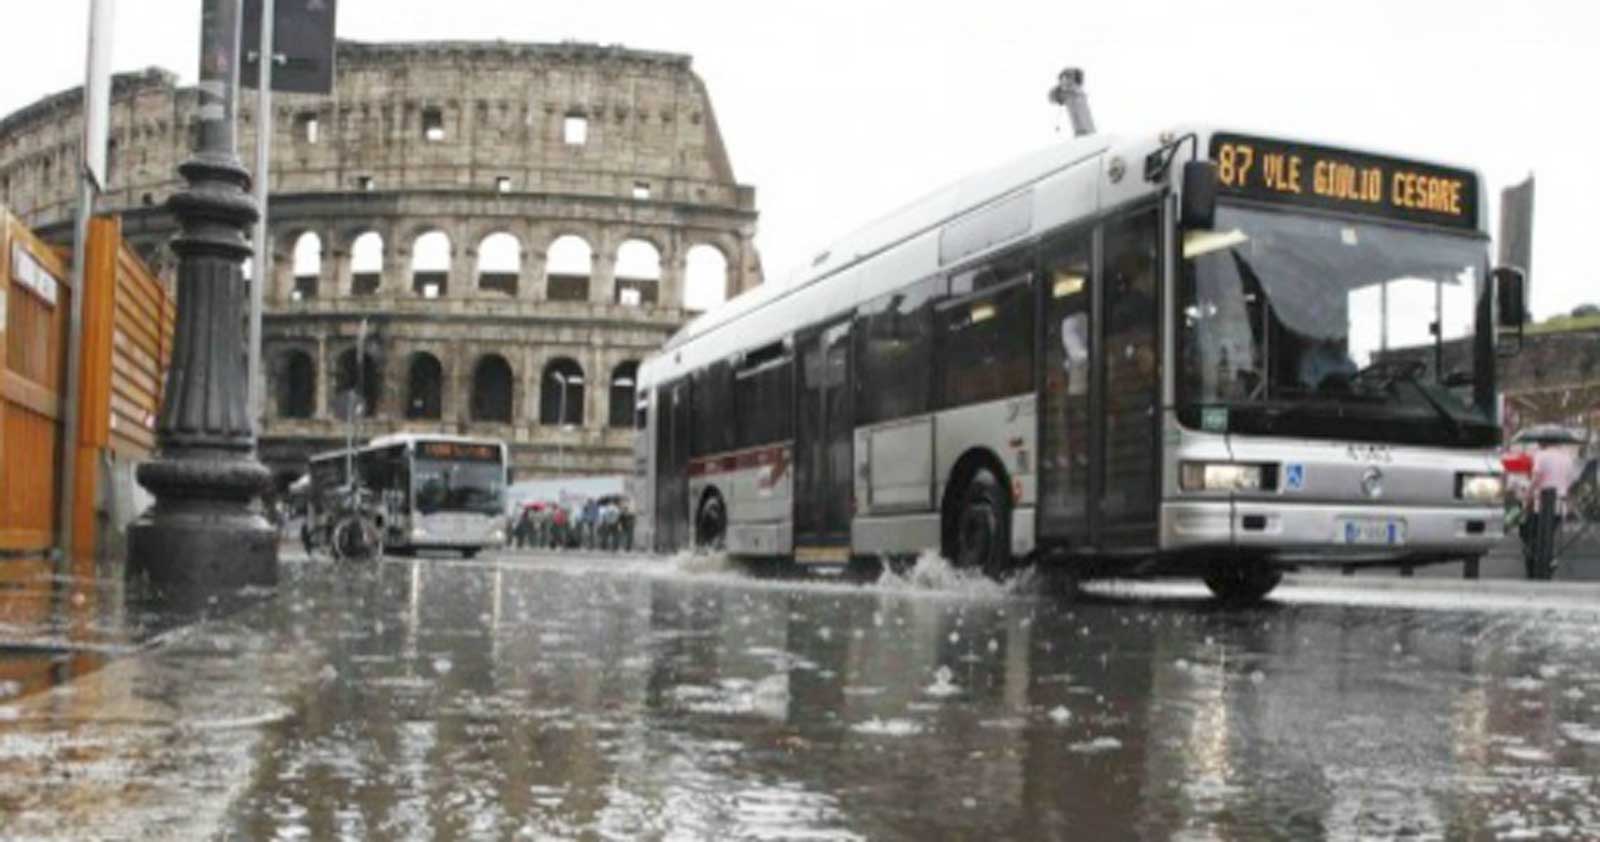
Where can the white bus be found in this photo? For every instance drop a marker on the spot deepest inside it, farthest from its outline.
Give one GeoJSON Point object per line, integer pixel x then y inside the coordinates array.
{"type": "Point", "coordinates": [436, 492]}
{"type": "Point", "coordinates": [1200, 352]}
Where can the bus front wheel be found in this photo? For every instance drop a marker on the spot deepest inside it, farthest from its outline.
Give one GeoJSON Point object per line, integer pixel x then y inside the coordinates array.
{"type": "Point", "coordinates": [1240, 584]}
{"type": "Point", "coordinates": [983, 526]}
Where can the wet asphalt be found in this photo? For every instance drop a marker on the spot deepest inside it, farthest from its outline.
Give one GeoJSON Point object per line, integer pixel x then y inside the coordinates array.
{"type": "Point", "coordinates": [593, 697]}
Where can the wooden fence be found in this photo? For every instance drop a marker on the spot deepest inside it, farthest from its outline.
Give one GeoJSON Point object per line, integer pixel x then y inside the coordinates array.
{"type": "Point", "coordinates": [35, 298]}
{"type": "Point", "coordinates": [128, 323]}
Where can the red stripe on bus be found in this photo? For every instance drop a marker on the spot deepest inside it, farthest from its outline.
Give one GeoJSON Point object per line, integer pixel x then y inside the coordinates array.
{"type": "Point", "coordinates": [743, 460]}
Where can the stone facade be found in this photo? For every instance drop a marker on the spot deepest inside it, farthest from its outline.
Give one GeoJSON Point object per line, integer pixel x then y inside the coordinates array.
{"type": "Point", "coordinates": [1554, 379]}
{"type": "Point", "coordinates": [618, 148]}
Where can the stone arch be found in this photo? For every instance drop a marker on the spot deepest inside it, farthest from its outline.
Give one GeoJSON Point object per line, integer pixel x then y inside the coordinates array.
{"type": "Point", "coordinates": [430, 263]}
{"type": "Point", "coordinates": [624, 390]}
{"type": "Point", "coordinates": [366, 262]}
{"type": "Point", "coordinates": [350, 379]}
{"type": "Point", "coordinates": [638, 273]}
{"type": "Point", "coordinates": [492, 397]}
{"type": "Point", "coordinates": [569, 267]}
{"type": "Point", "coordinates": [296, 384]}
{"type": "Point", "coordinates": [424, 386]}
{"type": "Point", "coordinates": [499, 256]}
{"type": "Point", "coordinates": [705, 277]}
{"type": "Point", "coordinates": [306, 265]}
{"type": "Point", "coordinates": [561, 392]}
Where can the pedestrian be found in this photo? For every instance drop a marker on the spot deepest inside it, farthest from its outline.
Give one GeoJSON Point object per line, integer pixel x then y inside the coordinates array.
{"type": "Point", "coordinates": [541, 526]}
{"type": "Point", "coordinates": [558, 526]}
{"type": "Point", "coordinates": [524, 528]}
{"type": "Point", "coordinates": [1555, 468]}
{"type": "Point", "coordinates": [590, 515]}
{"type": "Point", "coordinates": [625, 519]}
{"type": "Point", "coordinates": [609, 518]}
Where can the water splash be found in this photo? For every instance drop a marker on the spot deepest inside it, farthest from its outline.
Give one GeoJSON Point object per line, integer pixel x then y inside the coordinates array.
{"type": "Point", "coordinates": [933, 572]}
{"type": "Point", "coordinates": [942, 684]}
{"type": "Point", "coordinates": [700, 563]}
{"type": "Point", "coordinates": [1096, 745]}
{"type": "Point", "coordinates": [888, 727]}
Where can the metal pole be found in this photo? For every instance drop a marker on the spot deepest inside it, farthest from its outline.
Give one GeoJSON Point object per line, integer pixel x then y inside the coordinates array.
{"type": "Point", "coordinates": [70, 418]}
{"type": "Point", "coordinates": [262, 269]}
{"type": "Point", "coordinates": [561, 426]}
{"type": "Point", "coordinates": [94, 82]}
{"type": "Point", "coordinates": [202, 536]}
{"type": "Point", "coordinates": [356, 405]}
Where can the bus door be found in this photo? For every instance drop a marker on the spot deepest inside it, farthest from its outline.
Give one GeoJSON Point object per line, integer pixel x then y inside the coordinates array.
{"type": "Point", "coordinates": [1065, 455]}
{"type": "Point", "coordinates": [1126, 485]}
{"type": "Point", "coordinates": [673, 428]}
{"type": "Point", "coordinates": [824, 439]}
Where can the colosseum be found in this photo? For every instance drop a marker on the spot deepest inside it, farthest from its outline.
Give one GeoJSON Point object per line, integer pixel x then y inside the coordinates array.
{"type": "Point", "coordinates": [512, 227]}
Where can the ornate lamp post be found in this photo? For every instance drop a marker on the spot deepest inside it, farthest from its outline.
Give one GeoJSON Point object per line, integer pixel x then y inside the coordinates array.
{"type": "Point", "coordinates": [202, 536]}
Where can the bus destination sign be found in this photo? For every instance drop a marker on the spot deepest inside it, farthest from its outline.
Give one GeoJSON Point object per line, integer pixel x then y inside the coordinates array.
{"type": "Point", "coordinates": [459, 451]}
{"type": "Point", "coordinates": [1285, 172]}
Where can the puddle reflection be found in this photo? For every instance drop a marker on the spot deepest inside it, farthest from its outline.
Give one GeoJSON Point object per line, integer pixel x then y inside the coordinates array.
{"type": "Point", "coordinates": [469, 701]}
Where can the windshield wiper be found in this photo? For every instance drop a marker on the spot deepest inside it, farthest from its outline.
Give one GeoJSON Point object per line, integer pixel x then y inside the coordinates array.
{"type": "Point", "coordinates": [1383, 373]}
{"type": "Point", "coordinates": [1407, 371]}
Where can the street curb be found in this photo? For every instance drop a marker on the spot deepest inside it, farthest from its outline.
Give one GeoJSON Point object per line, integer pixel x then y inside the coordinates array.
{"type": "Point", "coordinates": [1556, 591]}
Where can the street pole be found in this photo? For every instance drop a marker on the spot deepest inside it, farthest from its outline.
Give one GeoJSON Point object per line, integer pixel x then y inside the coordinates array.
{"type": "Point", "coordinates": [96, 95]}
{"type": "Point", "coordinates": [356, 405]}
{"type": "Point", "coordinates": [261, 273]}
{"type": "Point", "coordinates": [70, 422]}
{"type": "Point", "coordinates": [561, 424]}
{"type": "Point", "coordinates": [202, 537]}
{"type": "Point", "coordinates": [561, 418]}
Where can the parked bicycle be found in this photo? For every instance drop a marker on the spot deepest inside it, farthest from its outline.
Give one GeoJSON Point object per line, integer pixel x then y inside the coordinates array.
{"type": "Point", "coordinates": [347, 522]}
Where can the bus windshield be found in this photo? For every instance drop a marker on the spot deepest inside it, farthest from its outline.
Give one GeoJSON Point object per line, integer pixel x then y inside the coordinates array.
{"type": "Point", "coordinates": [1325, 327]}
{"type": "Point", "coordinates": [445, 486]}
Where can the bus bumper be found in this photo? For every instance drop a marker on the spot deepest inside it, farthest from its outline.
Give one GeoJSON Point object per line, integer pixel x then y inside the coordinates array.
{"type": "Point", "coordinates": [1299, 533]}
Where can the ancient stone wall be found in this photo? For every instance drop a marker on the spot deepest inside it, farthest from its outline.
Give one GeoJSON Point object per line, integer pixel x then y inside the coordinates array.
{"type": "Point", "coordinates": [497, 213]}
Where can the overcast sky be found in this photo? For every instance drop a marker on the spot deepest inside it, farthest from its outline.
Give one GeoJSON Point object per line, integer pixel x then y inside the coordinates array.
{"type": "Point", "coordinates": [838, 112]}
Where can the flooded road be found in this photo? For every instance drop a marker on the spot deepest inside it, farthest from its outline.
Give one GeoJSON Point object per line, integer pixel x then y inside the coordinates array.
{"type": "Point", "coordinates": [597, 698]}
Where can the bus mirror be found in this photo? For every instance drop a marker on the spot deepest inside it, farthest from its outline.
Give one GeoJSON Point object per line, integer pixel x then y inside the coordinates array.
{"type": "Point", "coordinates": [1510, 287]}
{"type": "Point", "coordinates": [1199, 195]}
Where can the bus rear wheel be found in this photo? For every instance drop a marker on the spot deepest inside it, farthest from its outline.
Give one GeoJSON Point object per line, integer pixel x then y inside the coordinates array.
{"type": "Point", "coordinates": [711, 523]}
{"type": "Point", "coordinates": [982, 533]}
{"type": "Point", "coordinates": [1239, 584]}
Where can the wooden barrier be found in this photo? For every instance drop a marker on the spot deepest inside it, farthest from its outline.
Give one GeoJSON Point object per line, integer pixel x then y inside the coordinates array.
{"type": "Point", "coordinates": [35, 299]}
{"type": "Point", "coordinates": [128, 324]}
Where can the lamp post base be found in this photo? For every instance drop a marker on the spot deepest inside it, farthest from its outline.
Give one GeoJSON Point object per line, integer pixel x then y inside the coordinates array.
{"type": "Point", "coordinates": [192, 550]}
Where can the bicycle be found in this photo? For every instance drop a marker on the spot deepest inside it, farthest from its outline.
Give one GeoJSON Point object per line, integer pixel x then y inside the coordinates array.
{"type": "Point", "coordinates": [350, 528]}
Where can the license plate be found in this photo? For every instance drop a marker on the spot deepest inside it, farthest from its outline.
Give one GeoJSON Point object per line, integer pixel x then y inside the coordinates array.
{"type": "Point", "coordinates": [1372, 531]}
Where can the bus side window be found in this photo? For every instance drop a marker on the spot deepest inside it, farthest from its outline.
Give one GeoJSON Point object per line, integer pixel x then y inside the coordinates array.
{"type": "Point", "coordinates": [985, 332]}
{"type": "Point", "coordinates": [763, 396]}
{"type": "Point", "coordinates": [712, 432]}
{"type": "Point", "coordinates": [894, 349]}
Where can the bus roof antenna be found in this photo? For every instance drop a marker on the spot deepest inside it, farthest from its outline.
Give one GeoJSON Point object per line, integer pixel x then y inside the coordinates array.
{"type": "Point", "coordinates": [1069, 93]}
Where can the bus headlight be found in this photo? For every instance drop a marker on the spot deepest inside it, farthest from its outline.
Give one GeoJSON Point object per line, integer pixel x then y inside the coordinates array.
{"type": "Point", "coordinates": [1480, 488]}
{"type": "Point", "coordinates": [499, 536]}
{"type": "Point", "coordinates": [418, 533]}
{"type": "Point", "coordinates": [1220, 476]}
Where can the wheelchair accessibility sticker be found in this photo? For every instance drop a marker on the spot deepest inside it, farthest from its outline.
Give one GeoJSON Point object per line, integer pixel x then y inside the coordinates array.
{"type": "Point", "coordinates": [1294, 477]}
